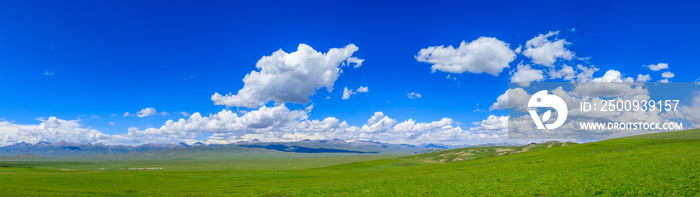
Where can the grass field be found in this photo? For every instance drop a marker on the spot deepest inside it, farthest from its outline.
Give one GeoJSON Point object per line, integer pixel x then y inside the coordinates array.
{"type": "Point", "coordinates": [655, 166]}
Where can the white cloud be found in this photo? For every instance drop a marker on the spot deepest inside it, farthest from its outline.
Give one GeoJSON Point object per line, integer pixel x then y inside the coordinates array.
{"type": "Point", "coordinates": [617, 89]}
{"type": "Point", "coordinates": [667, 75]}
{"type": "Point", "coordinates": [184, 113]}
{"type": "Point", "coordinates": [146, 112]}
{"type": "Point", "coordinates": [382, 128]}
{"type": "Point", "coordinates": [281, 124]}
{"type": "Point", "coordinates": [658, 67]}
{"type": "Point", "coordinates": [492, 125]}
{"type": "Point", "coordinates": [690, 111]}
{"type": "Point", "coordinates": [441, 131]}
{"type": "Point", "coordinates": [413, 95]}
{"type": "Point", "coordinates": [613, 76]}
{"type": "Point", "coordinates": [47, 73]}
{"type": "Point", "coordinates": [525, 74]}
{"type": "Point", "coordinates": [378, 123]}
{"type": "Point", "coordinates": [356, 61]}
{"type": "Point", "coordinates": [643, 78]}
{"type": "Point", "coordinates": [580, 73]}
{"type": "Point", "coordinates": [111, 123]}
{"type": "Point", "coordinates": [663, 80]}
{"type": "Point", "coordinates": [264, 119]}
{"type": "Point", "coordinates": [483, 55]}
{"type": "Point", "coordinates": [290, 77]}
{"type": "Point", "coordinates": [585, 73]}
{"type": "Point", "coordinates": [267, 123]}
{"type": "Point", "coordinates": [349, 92]}
{"type": "Point", "coordinates": [544, 51]}
{"type": "Point", "coordinates": [566, 72]}
{"type": "Point", "coordinates": [609, 89]}
{"type": "Point", "coordinates": [519, 98]}
{"type": "Point", "coordinates": [126, 114]}
{"type": "Point", "coordinates": [51, 130]}
{"type": "Point", "coordinates": [363, 89]}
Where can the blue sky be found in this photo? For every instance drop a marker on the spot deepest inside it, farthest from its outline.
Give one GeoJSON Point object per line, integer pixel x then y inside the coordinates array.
{"type": "Point", "coordinates": [96, 60]}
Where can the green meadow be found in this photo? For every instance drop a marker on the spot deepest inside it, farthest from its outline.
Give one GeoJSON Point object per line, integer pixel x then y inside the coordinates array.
{"type": "Point", "coordinates": [656, 164]}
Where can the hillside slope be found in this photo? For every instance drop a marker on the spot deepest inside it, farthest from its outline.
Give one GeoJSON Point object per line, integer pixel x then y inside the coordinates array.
{"type": "Point", "coordinates": [464, 154]}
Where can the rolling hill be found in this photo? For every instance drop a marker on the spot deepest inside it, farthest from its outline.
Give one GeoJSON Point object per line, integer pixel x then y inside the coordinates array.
{"type": "Point", "coordinates": [463, 154]}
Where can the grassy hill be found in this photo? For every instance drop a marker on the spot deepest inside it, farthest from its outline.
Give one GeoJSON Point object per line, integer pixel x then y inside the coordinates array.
{"type": "Point", "coordinates": [626, 166]}
{"type": "Point", "coordinates": [463, 154]}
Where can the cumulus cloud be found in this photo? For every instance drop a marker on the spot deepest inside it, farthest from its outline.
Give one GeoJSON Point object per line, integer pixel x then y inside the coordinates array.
{"type": "Point", "coordinates": [442, 131]}
{"type": "Point", "coordinates": [545, 51]}
{"type": "Point", "coordinates": [380, 127]}
{"type": "Point", "coordinates": [519, 97]}
{"type": "Point", "coordinates": [413, 95]}
{"type": "Point", "coordinates": [146, 112]}
{"type": "Point", "coordinates": [643, 78]}
{"type": "Point", "coordinates": [51, 130]}
{"type": "Point", "coordinates": [691, 111]}
{"type": "Point", "coordinates": [483, 55]}
{"type": "Point", "coordinates": [126, 114]}
{"type": "Point", "coordinates": [609, 89]}
{"type": "Point", "coordinates": [658, 67]}
{"type": "Point", "coordinates": [267, 124]}
{"type": "Point", "coordinates": [621, 86]}
{"type": "Point", "coordinates": [378, 123]}
{"type": "Point", "coordinates": [281, 124]}
{"type": "Point", "coordinates": [525, 74]}
{"type": "Point", "coordinates": [613, 76]}
{"type": "Point", "coordinates": [363, 89]}
{"type": "Point", "coordinates": [492, 125]}
{"type": "Point", "coordinates": [667, 75]}
{"type": "Point", "coordinates": [290, 77]}
{"type": "Point", "coordinates": [349, 92]}
{"type": "Point", "coordinates": [566, 72]}
{"type": "Point", "coordinates": [585, 73]}
{"type": "Point", "coordinates": [226, 121]}
{"type": "Point", "coordinates": [356, 61]}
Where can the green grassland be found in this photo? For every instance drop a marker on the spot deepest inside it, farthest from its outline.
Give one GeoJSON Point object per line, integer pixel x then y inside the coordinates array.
{"type": "Point", "coordinates": [271, 160]}
{"type": "Point", "coordinates": [660, 165]}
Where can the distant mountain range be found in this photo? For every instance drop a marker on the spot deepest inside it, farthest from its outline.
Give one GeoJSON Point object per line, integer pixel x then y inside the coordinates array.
{"type": "Point", "coordinates": [68, 149]}
{"type": "Point", "coordinates": [58, 149]}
